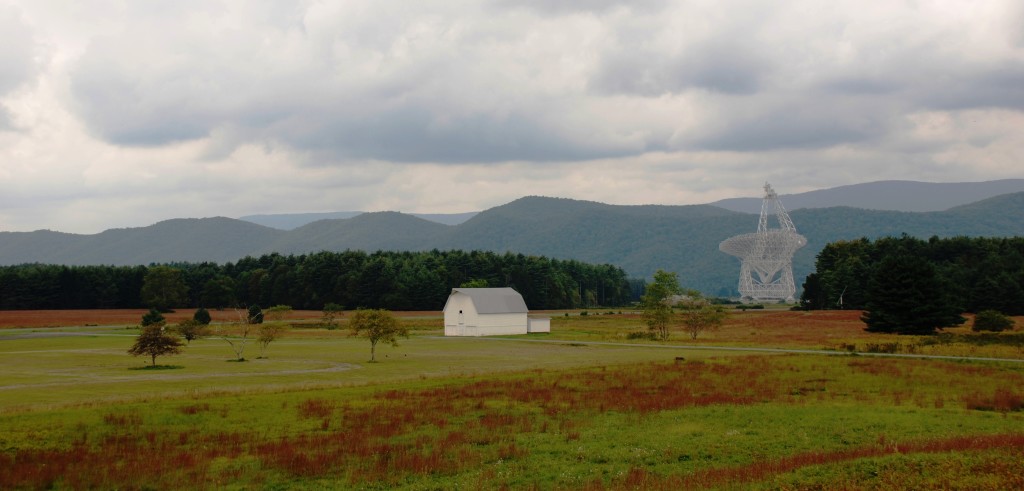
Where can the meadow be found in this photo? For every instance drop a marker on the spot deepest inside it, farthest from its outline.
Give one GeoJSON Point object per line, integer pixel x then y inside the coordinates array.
{"type": "Point", "coordinates": [588, 407]}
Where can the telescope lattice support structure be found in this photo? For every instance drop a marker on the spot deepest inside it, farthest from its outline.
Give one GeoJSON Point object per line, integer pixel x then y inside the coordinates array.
{"type": "Point", "coordinates": [766, 267]}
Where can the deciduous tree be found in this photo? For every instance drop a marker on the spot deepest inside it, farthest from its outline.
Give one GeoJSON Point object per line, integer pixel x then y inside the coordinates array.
{"type": "Point", "coordinates": [239, 335]}
{"type": "Point", "coordinates": [655, 302]}
{"type": "Point", "coordinates": [700, 318]}
{"type": "Point", "coordinates": [277, 313]}
{"type": "Point", "coordinates": [331, 313]}
{"type": "Point", "coordinates": [191, 329]}
{"type": "Point", "coordinates": [164, 287]}
{"type": "Point", "coordinates": [377, 325]}
{"type": "Point", "coordinates": [154, 342]}
{"type": "Point", "coordinates": [268, 332]}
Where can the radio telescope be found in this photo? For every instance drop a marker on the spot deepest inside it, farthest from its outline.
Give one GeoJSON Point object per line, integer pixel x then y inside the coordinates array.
{"type": "Point", "coordinates": [766, 268]}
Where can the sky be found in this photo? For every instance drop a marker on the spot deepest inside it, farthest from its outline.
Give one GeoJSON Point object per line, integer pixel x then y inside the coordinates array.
{"type": "Point", "coordinates": [119, 114]}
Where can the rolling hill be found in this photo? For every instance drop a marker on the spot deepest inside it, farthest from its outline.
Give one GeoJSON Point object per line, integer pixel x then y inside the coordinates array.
{"type": "Point", "coordinates": [887, 195]}
{"type": "Point", "coordinates": [640, 239]}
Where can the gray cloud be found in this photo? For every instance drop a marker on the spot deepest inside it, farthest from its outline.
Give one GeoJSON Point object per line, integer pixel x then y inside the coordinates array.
{"type": "Point", "coordinates": [16, 50]}
{"type": "Point", "coordinates": [451, 83]}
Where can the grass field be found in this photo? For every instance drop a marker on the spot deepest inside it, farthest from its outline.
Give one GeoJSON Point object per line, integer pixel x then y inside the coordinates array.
{"type": "Point", "coordinates": [588, 408]}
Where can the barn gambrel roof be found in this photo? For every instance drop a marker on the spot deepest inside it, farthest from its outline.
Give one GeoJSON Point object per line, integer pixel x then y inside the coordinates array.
{"type": "Point", "coordinates": [495, 300]}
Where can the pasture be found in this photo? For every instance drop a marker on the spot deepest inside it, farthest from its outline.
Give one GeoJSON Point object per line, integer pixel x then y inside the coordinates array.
{"type": "Point", "coordinates": [585, 407]}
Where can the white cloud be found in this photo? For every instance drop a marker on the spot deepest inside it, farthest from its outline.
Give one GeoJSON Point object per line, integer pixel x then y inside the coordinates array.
{"type": "Point", "coordinates": [118, 114]}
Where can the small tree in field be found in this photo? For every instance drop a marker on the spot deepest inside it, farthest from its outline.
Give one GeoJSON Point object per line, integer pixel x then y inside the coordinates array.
{"type": "Point", "coordinates": [191, 329]}
{"type": "Point", "coordinates": [700, 318]}
{"type": "Point", "coordinates": [991, 320]}
{"type": "Point", "coordinates": [655, 302]}
{"type": "Point", "coordinates": [377, 325]}
{"type": "Point", "coordinates": [277, 313]}
{"type": "Point", "coordinates": [268, 332]}
{"type": "Point", "coordinates": [331, 313]}
{"type": "Point", "coordinates": [243, 328]}
{"type": "Point", "coordinates": [153, 341]}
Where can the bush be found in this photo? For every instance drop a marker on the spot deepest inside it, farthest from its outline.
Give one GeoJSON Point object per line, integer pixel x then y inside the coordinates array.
{"type": "Point", "coordinates": [991, 320]}
{"type": "Point", "coordinates": [254, 315]}
{"type": "Point", "coordinates": [202, 316]}
{"type": "Point", "coordinates": [642, 335]}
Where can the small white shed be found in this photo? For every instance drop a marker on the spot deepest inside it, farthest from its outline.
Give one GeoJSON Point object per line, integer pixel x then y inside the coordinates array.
{"type": "Point", "coordinates": [538, 323]}
{"type": "Point", "coordinates": [485, 312]}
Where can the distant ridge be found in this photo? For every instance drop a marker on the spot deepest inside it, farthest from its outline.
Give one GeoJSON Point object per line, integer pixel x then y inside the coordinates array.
{"type": "Point", "coordinates": [887, 195]}
{"type": "Point", "coordinates": [291, 221]}
{"type": "Point", "coordinates": [640, 239]}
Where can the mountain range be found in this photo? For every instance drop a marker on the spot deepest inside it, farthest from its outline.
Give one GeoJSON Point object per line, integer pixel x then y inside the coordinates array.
{"type": "Point", "coordinates": [878, 195]}
{"type": "Point", "coordinates": [640, 239]}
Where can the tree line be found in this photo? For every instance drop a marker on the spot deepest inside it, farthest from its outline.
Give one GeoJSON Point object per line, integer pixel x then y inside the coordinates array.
{"type": "Point", "coordinates": [900, 279]}
{"type": "Point", "coordinates": [355, 279]}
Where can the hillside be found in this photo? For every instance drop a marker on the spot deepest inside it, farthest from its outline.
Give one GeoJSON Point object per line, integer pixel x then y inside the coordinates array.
{"type": "Point", "coordinates": [887, 195]}
{"type": "Point", "coordinates": [640, 239]}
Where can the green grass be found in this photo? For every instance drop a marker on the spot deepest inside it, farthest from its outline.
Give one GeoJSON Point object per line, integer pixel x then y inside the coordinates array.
{"type": "Point", "coordinates": [486, 413]}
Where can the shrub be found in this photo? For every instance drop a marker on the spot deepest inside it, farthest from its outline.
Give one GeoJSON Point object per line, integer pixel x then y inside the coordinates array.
{"type": "Point", "coordinates": [254, 315]}
{"type": "Point", "coordinates": [202, 316]}
{"type": "Point", "coordinates": [642, 335]}
{"type": "Point", "coordinates": [991, 320]}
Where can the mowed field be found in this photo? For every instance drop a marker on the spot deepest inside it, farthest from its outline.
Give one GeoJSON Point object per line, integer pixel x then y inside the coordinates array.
{"type": "Point", "coordinates": [587, 406]}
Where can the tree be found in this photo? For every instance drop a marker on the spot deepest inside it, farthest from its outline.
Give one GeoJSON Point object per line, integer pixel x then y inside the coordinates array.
{"type": "Point", "coordinates": [153, 341]}
{"type": "Point", "coordinates": [277, 313]}
{"type": "Point", "coordinates": [218, 292]}
{"type": "Point", "coordinates": [655, 303]}
{"type": "Point", "coordinates": [254, 315]}
{"type": "Point", "coordinates": [202, 316]}
{"type": "Point", "coordinates": [991, 320]}
{"type": "Point", "coordinates": [268, 332]}
{"type": "Point", "coordinates": [475, 283]}
{"type": "Point", "coordinates": [331, 312]}
{"type": "Point", "coordinates": [153, 317]}
{"type": "Point", "coordinates": [905, 296]}
{"type": "Point", "coordinates": [163, 288]}
{"type": "Point", "coordinates": [377, 325]}
{"type": "Point", "coordinates": [191, 329]}
{"type": "Point", "coordinates": [243, 328]}
{"type": "Point", "coordinates": [702, 318]}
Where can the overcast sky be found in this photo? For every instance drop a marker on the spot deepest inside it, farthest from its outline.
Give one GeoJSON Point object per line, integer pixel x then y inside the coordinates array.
{"type": "Point", "coordinates": [124, 113]}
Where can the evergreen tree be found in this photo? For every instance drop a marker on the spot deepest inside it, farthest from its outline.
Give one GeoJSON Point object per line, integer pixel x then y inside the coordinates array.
{"type": "Point", "coordinates": [202, 316]}
{"type": "Point", "coordinates": [153, 317]}
{"type": "Point", "coordinates": [906, 296]}
{"type": "Point", "coordinates": [254, 315]}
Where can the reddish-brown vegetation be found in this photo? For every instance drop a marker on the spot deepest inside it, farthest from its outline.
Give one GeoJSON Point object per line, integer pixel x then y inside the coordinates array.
{"type": "Point", "coordinates": [641, 479]}
{"type": "Point", "coordinates": [451, 429]}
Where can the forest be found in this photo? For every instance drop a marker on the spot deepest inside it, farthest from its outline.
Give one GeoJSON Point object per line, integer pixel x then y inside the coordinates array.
{"type": "Point", "coordinates": [353, 279]}
{"type": "Point", "coordinates": [972, 274]}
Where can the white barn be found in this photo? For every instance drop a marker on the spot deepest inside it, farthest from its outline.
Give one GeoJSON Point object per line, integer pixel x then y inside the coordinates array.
{"type": "Point", "coordinates": [489, 312]}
